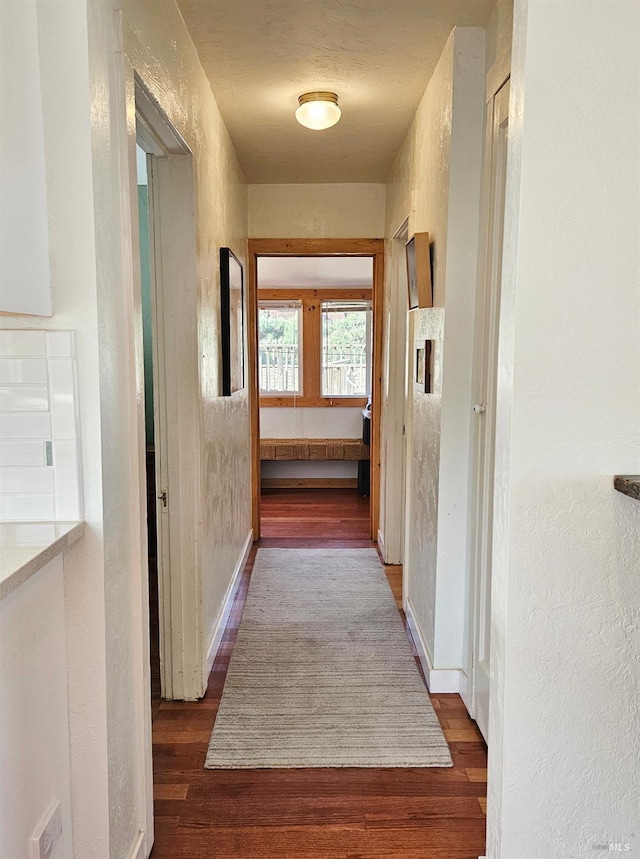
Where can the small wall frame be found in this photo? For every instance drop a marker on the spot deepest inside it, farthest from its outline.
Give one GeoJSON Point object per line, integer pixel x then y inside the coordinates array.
{"type": "Point", "coordinates": [232, 319]}
{"type": "Point", "coordinates": [423, 374]}
{"type": "Point", "coordinates": [419, 282]}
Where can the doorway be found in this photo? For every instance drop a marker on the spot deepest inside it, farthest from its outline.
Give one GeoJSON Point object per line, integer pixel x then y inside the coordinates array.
{"type": "Point", "coordinates": [485, 382]}
{"type": "Point", "coordinates": [315, 361]}
{"type": "Point", "coordinates": [170, 370]}
{"type": "Point", "coordinates": [151, 429]}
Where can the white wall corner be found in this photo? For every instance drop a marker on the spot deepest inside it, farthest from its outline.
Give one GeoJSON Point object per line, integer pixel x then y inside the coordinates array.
{"type": "Point", "coordinates": [439, 680]}
{"type": "Point", "coordinates": [227, 605]}
{"type": "Point", "coordinates": [381, 547]}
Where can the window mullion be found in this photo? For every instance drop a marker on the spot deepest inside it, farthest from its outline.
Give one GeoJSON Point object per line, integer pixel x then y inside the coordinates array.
{"type": "Point", "coordinates": [311, 340]}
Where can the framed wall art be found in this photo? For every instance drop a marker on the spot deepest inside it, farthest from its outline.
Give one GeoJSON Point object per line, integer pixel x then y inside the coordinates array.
{"type": "Point", "coordinates": [232, 317]}
{"type": "Point", "coordinates": [419, 282]}
{"type": "Point", "coordinates": [423, 378]}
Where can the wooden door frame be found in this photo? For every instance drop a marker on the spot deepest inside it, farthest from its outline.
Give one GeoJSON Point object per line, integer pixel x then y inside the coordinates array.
{"type": "Point", "coordinates": [373, 248]}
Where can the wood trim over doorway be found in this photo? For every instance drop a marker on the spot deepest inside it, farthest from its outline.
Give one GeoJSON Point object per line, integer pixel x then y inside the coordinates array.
{"type": "Point", "coordinates": [316, 247]}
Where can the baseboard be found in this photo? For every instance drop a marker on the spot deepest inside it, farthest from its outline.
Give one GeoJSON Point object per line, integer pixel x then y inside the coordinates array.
{"type": "Point", "coordinates": [463, 688]}
{"type": "Point", "coordinates": [309, 483]}
{"type": "Point", "coordinates": [138, 851]}
{"type": "Point", "coordinates": [227, 604]}
{"type": "Point", "coordinates": [381, 546]}
{"type": "Point", "coordinates": [438, 679]}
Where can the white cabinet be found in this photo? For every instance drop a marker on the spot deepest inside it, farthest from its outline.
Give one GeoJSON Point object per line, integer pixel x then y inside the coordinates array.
{"type": "Point", "coordinates": [34, 709]}
{"type": "Point", "coordinates": [24, 244]}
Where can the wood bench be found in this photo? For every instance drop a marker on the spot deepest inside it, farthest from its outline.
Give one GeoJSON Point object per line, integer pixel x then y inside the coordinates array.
{"type": "Point", "coordinates": [314, 449]}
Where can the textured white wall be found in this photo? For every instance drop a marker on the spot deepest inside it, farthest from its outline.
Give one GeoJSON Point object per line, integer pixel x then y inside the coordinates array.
{"type": "Point", "coordinates": [175, 78]}
{"type": "Point", "coordinates": [436, 179]}
{"type": "Point", "coordinates": [34, 714]}
{"type": "Point", "coordinates": [104, 612]}
{"type": "Point", "coordinates": [565, 662]}
{"type": "Point", "coordinates": [316, 211]}
{"type": "Point", "coordinates": [310, 423]}
{"type": "Point", "coordinates": [423, 163]}
{"type": "Point", "coordinates": [167, 63]}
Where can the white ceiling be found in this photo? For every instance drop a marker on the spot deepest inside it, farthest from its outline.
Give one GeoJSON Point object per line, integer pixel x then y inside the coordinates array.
{"type": "Point", "coordinates": [377, 55]}
{"type": "Point", "coordinates": [315, 272]}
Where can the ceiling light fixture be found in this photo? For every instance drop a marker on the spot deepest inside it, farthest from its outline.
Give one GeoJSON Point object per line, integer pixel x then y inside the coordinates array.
{"type": "Point", "coordinates": [318, 110]}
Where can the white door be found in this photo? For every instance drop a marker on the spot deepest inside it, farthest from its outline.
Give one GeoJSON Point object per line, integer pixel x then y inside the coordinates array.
{"type": "Point", "coordinates": [485, 399]}
{"type": "Point", "coordinates": [161, 452]}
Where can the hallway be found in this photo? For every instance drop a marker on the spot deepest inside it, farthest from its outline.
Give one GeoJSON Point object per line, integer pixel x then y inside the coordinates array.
{"type": "Point", "coordinates": [312, 813]}
{"type": "Point", "coordinates": [472, 141]}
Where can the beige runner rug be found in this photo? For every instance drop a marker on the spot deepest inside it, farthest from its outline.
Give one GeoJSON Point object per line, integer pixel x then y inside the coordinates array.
{"type": "Point", "coordinates": [322, 673]}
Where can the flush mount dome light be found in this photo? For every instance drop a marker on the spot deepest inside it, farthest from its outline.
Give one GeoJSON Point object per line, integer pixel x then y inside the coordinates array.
{"type": "Point", "coordinates": [318, 110]}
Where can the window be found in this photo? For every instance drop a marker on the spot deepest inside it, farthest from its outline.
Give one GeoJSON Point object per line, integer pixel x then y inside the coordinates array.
{"type": "Point", "coordinates": [346, 348]}
{"type": "Point", "coordinates": [314, 347]}
{"type": "Point", "coordinates": [279, 336]}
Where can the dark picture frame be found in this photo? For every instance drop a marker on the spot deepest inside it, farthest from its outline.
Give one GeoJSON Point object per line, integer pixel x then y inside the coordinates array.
{"type": "Point", "coordinates": [423, 376]}
{"type": "Point", "coordinates": [232, 318]}
{"type": "Point", "coordinates": [419, 281]}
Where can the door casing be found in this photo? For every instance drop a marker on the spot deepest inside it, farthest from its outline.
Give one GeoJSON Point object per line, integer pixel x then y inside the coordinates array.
{"type": "Point", "coordinates": [373, 248]}
{"type": "Point", "coordinates": [477, 691]}
{"type": "Point", "coordinates": [391, 533]}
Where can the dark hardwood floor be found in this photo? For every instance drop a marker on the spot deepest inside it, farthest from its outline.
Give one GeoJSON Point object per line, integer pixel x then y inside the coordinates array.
{"type": "Point", "coordinates": [328, 515]}
{"type": "Point", "coordinates": [312, 813]}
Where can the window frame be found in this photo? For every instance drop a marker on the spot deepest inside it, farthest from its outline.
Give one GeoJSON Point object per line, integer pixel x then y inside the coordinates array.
{"type": "Point", "coordinates": [348, 306]}
{"type": "Point", "coordinates": [311, 355]}
{"type": "Point", "coordinates": [289, 304]}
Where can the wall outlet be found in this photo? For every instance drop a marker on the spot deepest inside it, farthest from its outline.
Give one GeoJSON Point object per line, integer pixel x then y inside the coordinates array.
{"type": "Point", "coordinates": [47, 833]}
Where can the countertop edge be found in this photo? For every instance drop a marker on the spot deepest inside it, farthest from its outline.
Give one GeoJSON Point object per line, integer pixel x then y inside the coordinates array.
{"type": "Point", "coordinates": [25, 571]}
{"type": "Point", "coordinates": [628, 484]}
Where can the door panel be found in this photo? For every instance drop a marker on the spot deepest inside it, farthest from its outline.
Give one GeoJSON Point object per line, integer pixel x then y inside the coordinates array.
{"type": "Point", "coordinates": [485, 398]}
